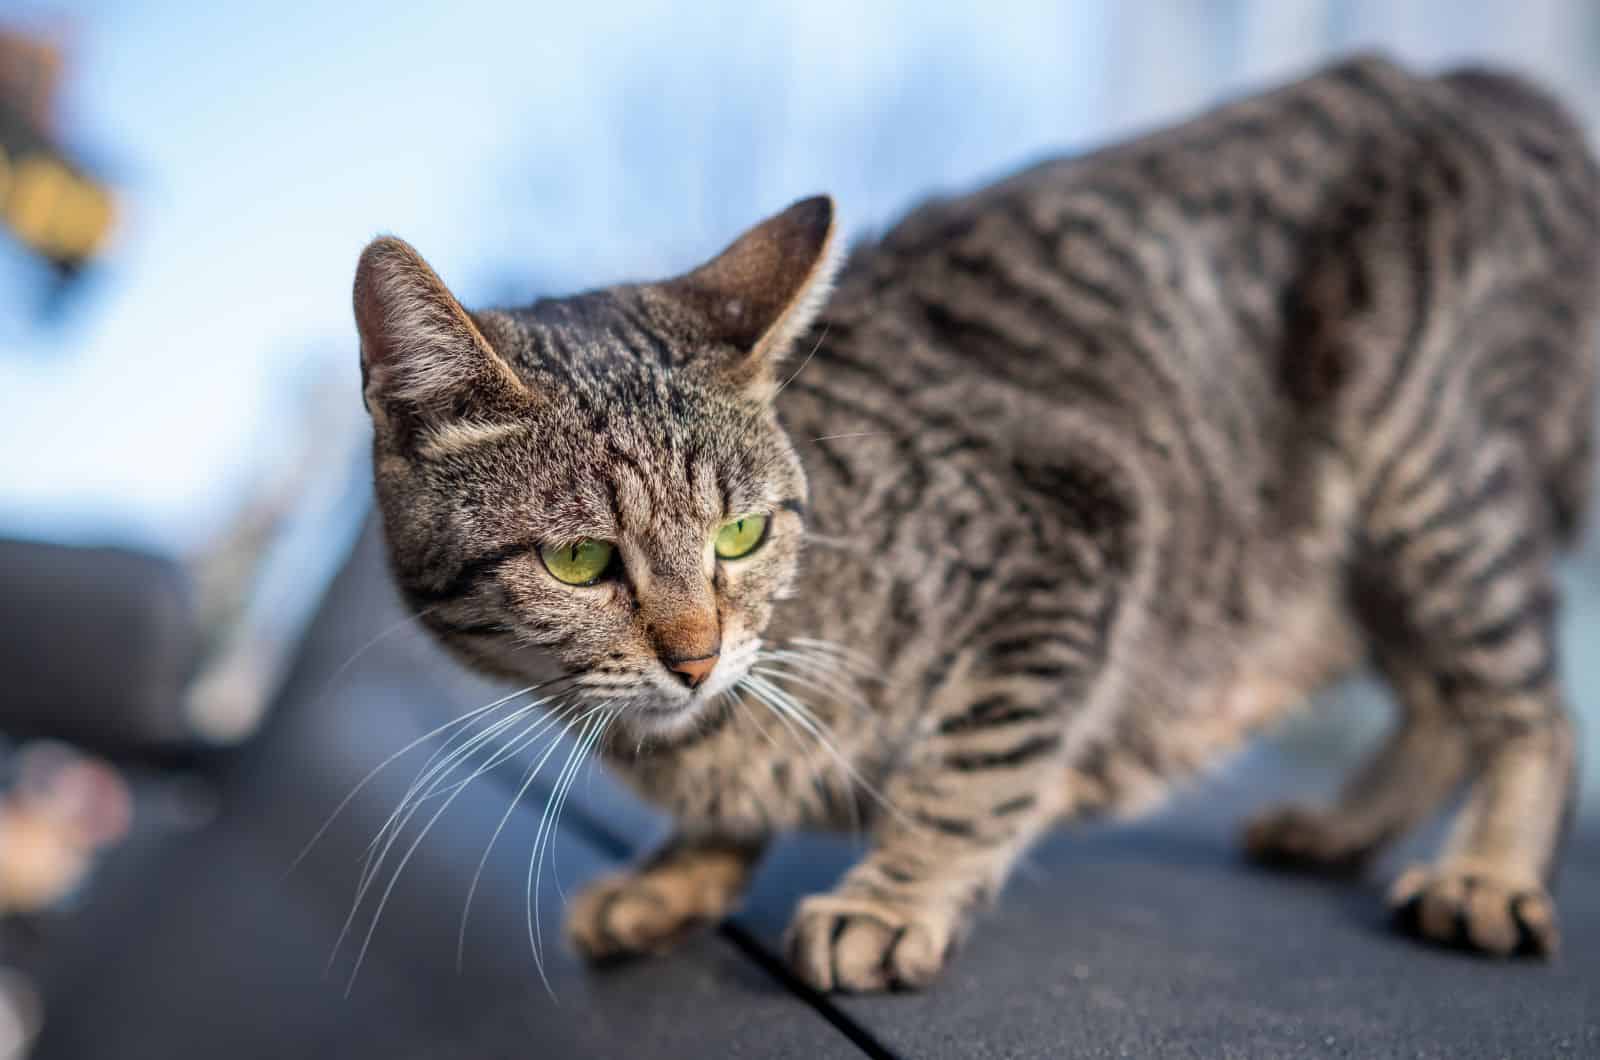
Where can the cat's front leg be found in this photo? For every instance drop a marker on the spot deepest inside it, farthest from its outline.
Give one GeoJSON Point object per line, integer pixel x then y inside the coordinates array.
{"type": "Point", "coordinates": [958, 824]}
{"type": "Point", "coordinates": [690, 883]}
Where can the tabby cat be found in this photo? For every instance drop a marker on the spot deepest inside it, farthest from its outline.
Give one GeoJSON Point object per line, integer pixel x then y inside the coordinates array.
{"type": "Point", "coordinates": [1065, 487]}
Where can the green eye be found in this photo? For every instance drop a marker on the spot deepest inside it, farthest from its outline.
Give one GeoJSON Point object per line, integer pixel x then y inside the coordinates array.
{"type": "Point", "coordinates": [580, 563]}
{"type": "Point", "coordinates": [741, 536]}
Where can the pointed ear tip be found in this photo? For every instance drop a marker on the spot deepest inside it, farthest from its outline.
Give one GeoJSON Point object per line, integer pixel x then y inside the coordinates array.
{"type": "Point", "coordinates": [375, 272]}
{"type": "Point", "coordinates": [387, 265]}
{"type": "Point", "coordinates": [385, 248]}
{"type": "Point", "coordinates": [816, 213]}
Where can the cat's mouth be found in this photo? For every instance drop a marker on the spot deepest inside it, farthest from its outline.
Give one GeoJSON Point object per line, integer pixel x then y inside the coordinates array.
{"type": "Point", "coordinates": [730, 670]}
{"type": "Point", "coordinates": [665, 708]}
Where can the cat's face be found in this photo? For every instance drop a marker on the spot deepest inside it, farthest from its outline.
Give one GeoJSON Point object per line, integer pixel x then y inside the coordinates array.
{"type": "Point", "coordinates": [596, 488]}
{"type": "Point", "coordinates": [621, 491]}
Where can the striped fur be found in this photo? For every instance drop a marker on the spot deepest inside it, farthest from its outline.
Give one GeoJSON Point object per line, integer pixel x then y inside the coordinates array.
{"type": "Point", "coordinates": [1075, 482]}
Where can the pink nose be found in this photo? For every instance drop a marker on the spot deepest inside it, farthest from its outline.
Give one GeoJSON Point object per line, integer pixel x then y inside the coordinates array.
{"type": "Point", "coordinates": [693, 672]}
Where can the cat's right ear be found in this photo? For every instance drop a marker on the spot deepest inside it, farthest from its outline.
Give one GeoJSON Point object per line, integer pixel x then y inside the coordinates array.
{"type": "Point", "coordinates": [423, 358]}
{"type": "Point", "coordinates": [765, 289]}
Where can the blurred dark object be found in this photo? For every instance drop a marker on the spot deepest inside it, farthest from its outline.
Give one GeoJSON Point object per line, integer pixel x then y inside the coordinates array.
{"type": "Point", "coordinates": [136, 654]}
{"type": "Point", "coordinates": [30, 74]}
{"type": "Point", "coordinates": [21, 1014]}
{"type": "Point", "coordinates": [99, 645]}
{"type": "Point", "coordinates": [47, 202]}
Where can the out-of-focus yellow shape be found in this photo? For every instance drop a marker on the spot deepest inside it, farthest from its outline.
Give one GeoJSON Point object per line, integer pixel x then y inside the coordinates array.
{"type": "Point", "coordinates": [54, 210]}
{"type": "Point", "coordinates": [37, 189]}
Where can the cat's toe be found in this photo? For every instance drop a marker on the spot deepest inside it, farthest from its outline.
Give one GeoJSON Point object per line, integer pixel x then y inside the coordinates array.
{"type": "Point", "coordinates": [1474, 910]}
{"type": "Point", "coordinates": [1300, 839]}
{"type": "Point", "coordinates": [627, 915]}
{"type": "Point", "coordinates": [861, 946]}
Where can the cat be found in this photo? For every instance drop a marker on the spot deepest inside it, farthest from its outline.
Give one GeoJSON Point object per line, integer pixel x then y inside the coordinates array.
{"type": "Point", "coordinates": [1049, 497]}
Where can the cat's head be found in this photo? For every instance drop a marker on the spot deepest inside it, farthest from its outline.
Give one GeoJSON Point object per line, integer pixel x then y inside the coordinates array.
{"type": "Point", "coordinates": [597, 487]}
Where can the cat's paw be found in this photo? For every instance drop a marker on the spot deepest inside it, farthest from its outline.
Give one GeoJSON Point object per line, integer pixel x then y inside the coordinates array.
{"type": "Point", "coordinates": [632, 914]}
{"type": "Point", "coordinates": [859, 945]}
{"type": "Point", "coordinates": [1300, 839]}
{"type": "Point", "coordinates": [1474, 909]}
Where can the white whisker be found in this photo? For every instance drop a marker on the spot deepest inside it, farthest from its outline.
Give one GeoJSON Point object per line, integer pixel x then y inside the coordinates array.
{"type": "Point", "coordinates": [744, 709]}
{"type": "Point", "coordinates": [814, 348]}
{"type": "Point", "coordinates": [532, 775]}
{"type": "Point", "coordinates": [763, 695]}
{"type": "Point", "coordinates": [445, 747]}
{"type": "Point", "coordinates": [369, 645]}
{"type": "Point", "coordinates": [803, 716]}
{"type": "Point", "coordinates": [504, 753]}
{"type": "Point", "coordinates": [585, 759]}
{"type": "Point", "coordinates": [785, 704]}
{"type": "Point", "coordinates": [431, 779]}
{"type": "Point", "coordinates": [818, 681]}
{"type": "Point", "coordinates": [394, 878]}
{"type": "Point", "coordinates": [377, 855]}
{"type": "Point", "coordinates": [535, 861]}
{"type": "Point", "coordinates": [446, 750]}
{"type": "Point", "coordinates": [860, 659]}
{"type": "Point", "coordinates": [382, 843]}
{"type": "Point", "coordinates": [413, 745]}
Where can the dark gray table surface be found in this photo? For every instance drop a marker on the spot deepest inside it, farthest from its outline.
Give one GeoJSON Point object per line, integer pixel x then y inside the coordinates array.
{"type": "Point", "coordinates": [1150, 939]}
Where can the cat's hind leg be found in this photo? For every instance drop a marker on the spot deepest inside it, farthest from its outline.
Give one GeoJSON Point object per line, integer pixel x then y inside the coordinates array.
{"type": "Point", "coordinates": [1463, 584]}
{"type": "Point", "coordinates": [1418, 766]}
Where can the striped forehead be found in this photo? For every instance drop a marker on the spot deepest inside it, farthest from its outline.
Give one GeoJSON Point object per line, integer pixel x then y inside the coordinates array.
{"type": "Point", "coordinates": [655, 488]}
{"type": "Point", "coordinates": [591, 334]}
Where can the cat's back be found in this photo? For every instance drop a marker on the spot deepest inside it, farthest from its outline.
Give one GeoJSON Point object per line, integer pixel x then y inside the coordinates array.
{"type": "Point", "coordinates": [1169, 286]}
{"type": "Point", "coordinates": [1195, 236]}
{"type": "Point", "coordinates": [1173, 298]}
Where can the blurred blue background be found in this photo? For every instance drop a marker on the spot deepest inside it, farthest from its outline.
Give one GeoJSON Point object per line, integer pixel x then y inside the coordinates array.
{"type": "Point", "coordinates": [532, 148]}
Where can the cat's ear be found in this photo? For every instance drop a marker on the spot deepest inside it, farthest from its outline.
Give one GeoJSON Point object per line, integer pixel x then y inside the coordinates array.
{"type": "Point", "coordinates": [423, 358]}
{"type": "Point", "coordinates": [767, 287]}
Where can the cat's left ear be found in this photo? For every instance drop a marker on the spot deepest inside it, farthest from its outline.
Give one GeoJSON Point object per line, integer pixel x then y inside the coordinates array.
{"type": "Point", "coordinates": [423, 357]}
{"type": "Point", "coordinates": [766, 288]}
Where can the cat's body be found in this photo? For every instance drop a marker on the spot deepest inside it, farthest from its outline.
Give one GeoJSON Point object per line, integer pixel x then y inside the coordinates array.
{"type": "Point", "coordinates": [1105, 466]}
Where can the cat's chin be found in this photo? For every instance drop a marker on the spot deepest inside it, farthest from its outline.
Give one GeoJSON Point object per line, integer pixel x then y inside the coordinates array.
{"type": "Point", "coordinates": [670, 719]}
